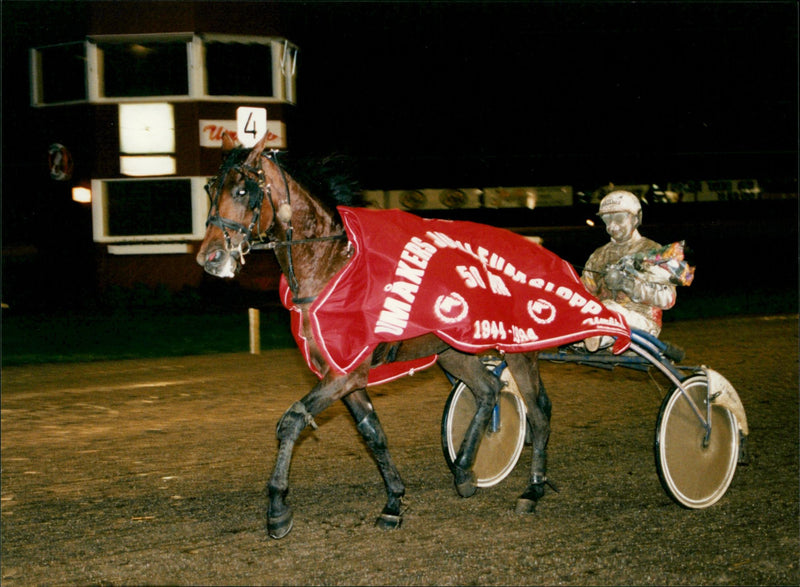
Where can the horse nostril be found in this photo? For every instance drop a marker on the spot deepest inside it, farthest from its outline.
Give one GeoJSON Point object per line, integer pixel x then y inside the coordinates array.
{"type": "Point", "coordinates": [214, 256]}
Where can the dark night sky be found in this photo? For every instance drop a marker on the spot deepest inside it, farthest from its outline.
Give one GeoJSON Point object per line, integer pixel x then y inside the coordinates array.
{"type": "Point", "coordinates": [479, 93]}
{"type": "Point", "coordinates": [553, 92]}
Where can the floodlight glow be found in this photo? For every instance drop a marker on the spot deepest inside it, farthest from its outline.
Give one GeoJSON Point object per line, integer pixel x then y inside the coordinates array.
{"type": "Point", "coordinates": [146, 128]}
{"type": "Point", "coordinates": [82, 195]}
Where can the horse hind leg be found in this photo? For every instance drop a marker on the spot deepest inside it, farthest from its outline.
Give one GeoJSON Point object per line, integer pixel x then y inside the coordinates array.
{"type": "Point", "coordinates": [486, 388]}
{"type": "Point", "coordinates": [526, 372]}
{"type": "Point", "coordinates": [539, 418]}
{"type": "Point", "coordinates": [371, 430]}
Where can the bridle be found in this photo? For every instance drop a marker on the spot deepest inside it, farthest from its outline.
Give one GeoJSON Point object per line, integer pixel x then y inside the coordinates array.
{"type": "Point", "coordinates": [256, 188]}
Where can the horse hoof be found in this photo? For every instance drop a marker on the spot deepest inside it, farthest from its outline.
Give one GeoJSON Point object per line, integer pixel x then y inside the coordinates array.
{"type": "Point", "coordinates": [465, 483]}
{"type": "Point", "coordinates": [526, 503]}
{"type": "Point", "coordinates": [388, 522]}
{"type": "Point", "coordinates": [525, 506]}
{"type": "Point", "coordinates": [280, 526]}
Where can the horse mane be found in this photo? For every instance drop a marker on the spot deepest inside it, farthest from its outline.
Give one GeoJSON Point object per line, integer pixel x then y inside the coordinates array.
{"type": "Point", "coordinates": [330, 178]}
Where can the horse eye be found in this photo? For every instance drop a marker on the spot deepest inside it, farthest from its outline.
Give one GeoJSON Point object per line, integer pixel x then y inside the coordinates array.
{"type": "Point", "coordinates": [241, 192]}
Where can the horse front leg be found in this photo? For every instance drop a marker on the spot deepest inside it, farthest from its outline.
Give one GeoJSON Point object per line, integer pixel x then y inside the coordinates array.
{"type": "Point", "coordinates": [299, 415]}
{"type": "Point", "coordinates": [291, 424]}
{"type": "Point", "coordinates": [525, 369]}
{"type": "Point", "coordinates": [369, 426]}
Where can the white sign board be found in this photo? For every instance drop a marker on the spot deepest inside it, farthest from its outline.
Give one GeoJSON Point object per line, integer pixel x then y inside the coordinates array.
{"type": "Point", "coordinates": [211, 133]}
{"type": "Point", "coordinates": [251, 125]}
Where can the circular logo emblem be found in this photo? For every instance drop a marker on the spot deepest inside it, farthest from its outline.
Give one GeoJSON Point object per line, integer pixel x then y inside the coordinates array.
{"type": "Point", "coordinates": [451, 308]}
{"type": "Point", "coordinates": [542, 311]}
{"type": "Point", "coordinates": [413, 199]}
{"type": "Point", "coordinates": [453, 198]}
{"type": "Point", "coordinates": [60, 162]}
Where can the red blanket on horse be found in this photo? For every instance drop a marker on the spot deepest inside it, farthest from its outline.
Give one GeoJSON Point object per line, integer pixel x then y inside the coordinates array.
{"type": "Point", "coordinates": [475, 286]}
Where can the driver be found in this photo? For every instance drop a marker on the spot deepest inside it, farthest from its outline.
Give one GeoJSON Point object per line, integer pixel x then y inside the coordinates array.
{"type": "Point", "coordinates": [640, 296]}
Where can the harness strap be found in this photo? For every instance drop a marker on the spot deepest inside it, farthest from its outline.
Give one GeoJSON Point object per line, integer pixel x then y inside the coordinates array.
{"type": "Point", "coordinates": [301, 241]}
{"type": "Point", "coordinates": [224, 223]}
{"type": "Point", "coordinates": [307, 300]}
{"type": "Point", "coordinates": [294, 286]}
{"type": "Point", "coordinates": [271, 245]}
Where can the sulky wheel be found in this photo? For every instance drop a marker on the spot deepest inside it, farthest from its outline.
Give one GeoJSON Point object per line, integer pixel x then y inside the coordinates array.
{"type": "Point", "coordinates": [694, 468]}
{"type": "Point", "coordinates": [502, 445]}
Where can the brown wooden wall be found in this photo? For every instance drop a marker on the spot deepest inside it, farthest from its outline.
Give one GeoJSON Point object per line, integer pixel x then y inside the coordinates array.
{"type": "Point", "coordinates": [248, 18]}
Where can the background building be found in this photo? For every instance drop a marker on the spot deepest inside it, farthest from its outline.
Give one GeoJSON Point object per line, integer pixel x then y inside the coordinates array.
{"type": "Point", "coordinates": [133, 109]}
{"type": "Point", "coordinates": [512, 114]}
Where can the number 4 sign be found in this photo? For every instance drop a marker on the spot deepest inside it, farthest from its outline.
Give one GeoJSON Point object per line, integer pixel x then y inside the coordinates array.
{"type": "Point", "coordinates": [251, 125]}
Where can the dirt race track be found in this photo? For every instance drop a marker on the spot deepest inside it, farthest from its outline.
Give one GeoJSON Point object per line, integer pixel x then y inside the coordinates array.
{"type": "Point", "coordinates": [153, 472]}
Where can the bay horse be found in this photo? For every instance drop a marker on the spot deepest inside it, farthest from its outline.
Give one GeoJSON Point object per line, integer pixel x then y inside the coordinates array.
{"type": "Point", "coordinates": [253, 200]}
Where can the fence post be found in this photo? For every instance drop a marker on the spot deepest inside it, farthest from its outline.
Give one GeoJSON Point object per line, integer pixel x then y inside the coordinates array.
{"type": "Point", "coordinates": [255, 331]}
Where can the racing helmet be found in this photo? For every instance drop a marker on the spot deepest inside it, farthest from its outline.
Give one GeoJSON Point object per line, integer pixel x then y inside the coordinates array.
{"type": "Point", "coordinates": [620, 201]}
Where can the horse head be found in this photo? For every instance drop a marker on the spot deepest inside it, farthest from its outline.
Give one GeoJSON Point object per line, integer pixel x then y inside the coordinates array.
{"type": "Point", "coordinates": [238, 215]}
{"type": "Point", "coordinates": [256, 203]}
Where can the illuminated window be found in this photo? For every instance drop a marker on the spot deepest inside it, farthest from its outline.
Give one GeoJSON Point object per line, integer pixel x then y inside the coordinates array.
{"type": "Point", "coordinates": [146, 128]}
{"type": "Point", "coordinates": [147, 166]}
{"type": "Point", "coordinates": [147, 139]}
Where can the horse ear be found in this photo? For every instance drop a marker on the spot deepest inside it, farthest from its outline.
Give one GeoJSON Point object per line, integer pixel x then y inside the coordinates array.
{"type": "Point", "coordinates": [261, 145]}
{"type": "Point", "coordinates": [257, 150]}
{"type": "Point", "coordinates": [228, 143]}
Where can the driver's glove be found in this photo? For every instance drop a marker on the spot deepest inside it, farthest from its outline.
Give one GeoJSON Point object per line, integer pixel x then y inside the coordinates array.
{"type": "Point", "coordinates": [617, 280]}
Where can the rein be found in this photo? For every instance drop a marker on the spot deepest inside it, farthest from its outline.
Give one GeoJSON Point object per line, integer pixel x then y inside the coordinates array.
{"type": "Point", "coordinates": [257, 192]}
{"type": "Point", "coordinates": [270, 245]}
